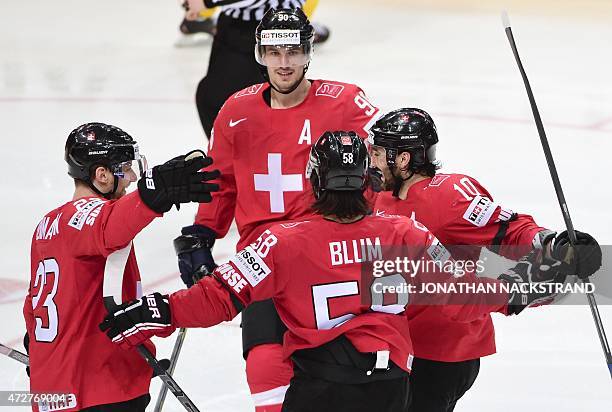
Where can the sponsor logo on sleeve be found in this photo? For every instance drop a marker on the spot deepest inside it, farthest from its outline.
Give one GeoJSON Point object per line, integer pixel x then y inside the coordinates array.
{"type": "Point", "coordinates": [438, 252]}
{"type": "Point", "coordinates": [87, 212]}
{"type": "Point", "coordinates": [480, 211]}
{"type": "Point", "coordinates": [231, 276]}
{"type": "Point", "coordinates": [329, 90]}
{"type": "Point", "coordinates": [251, 265]}
{"type": "Point", "coordinates": [249, 91]}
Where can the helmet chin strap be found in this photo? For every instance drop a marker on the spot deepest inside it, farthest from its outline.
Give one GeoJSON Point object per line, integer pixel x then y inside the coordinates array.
{"type": "Point", "coordinates": [105, 195]}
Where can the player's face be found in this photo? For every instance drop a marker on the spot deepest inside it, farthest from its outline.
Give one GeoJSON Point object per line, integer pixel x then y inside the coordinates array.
{"type": "Point", "coordinates": [378, 156]}
{"type": "Point", "coordinates": [285, 66]}
{"type": "Point", "coordinates": [126, 177]}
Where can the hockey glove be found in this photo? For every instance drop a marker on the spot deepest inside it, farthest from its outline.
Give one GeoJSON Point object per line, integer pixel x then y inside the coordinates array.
{"type": "Point", "coordinates": [177, 181]}
{"type": "Point", "coordinates": [194, 251]}
{"type": "Point", "coordinates": [582, 259]}
{"type": "Point", "coordinates": [132, 323]}
{"type": "Point", "coordinates": [532, 281]}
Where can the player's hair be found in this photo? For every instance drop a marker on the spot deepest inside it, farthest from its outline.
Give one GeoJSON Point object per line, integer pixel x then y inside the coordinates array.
{"type": "Point", "coordinates": [428, 169]}
{"type": "Point", "coordinates": [342, 204]}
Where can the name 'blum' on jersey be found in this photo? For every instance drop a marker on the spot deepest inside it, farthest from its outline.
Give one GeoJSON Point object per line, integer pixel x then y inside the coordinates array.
{"type": "Point", "coordinates": [345, 252]}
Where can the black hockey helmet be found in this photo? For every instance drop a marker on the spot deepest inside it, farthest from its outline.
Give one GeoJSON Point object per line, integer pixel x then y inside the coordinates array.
{"type": "Point", "coordinates": [284, 28]}
{"type": "Point", "coordinates": [338, 161]}
{"type": "Point", "coordinates": [406, 130]}
{"type": "Point", "coordinates": [99, 144]}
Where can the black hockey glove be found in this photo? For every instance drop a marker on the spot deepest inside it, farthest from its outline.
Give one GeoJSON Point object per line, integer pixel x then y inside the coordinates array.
{"type": "Point", "coordinates": [132, 323]}
{"type": "Point", "coordinates": [582, 259]}
{"type": "Point", "coordinates": [194, 251]}
{"type": "Point", "coordinates": [532, 281]}
{"type": "Point", "coordinates": [177, 181]}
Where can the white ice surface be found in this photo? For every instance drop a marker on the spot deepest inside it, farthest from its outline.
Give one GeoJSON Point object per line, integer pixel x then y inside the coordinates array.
{"type": "Point", "coordinates": [66, 62]}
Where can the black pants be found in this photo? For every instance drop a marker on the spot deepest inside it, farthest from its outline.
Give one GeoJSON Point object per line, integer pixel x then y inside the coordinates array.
{"type": "Point", "coordinates": [437, 386]}
{"type": "Point", "coordinates": [260, 325]}
{"type": "Point", "coordinates": [310, 394]}
{"type": "Point", "coordinates": [133, 405]}
{"type": "Point", "coordinates": [232, 67]}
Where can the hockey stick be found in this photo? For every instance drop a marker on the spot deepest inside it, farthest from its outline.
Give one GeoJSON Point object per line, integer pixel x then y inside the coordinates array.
{"type": "Point", "coordinates": [557, 184]}
{"type": "Point", "coordinates": [178, 344]}
{"type": "Point", "coordinates": [15, 354]}
{"type": "Point", "coordinates": [112, 287]}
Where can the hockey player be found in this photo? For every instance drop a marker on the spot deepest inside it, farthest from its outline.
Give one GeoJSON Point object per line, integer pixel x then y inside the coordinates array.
{"type": "Point", "coordinates": [458, 211]}
{"type": "Point", "coordinates": [350, 353]}
{"type": "Point", "coordinates": [231, 66]}
{"type": "Point", "coordinates": [260, 144]}
{"type": "Point", "coordinates": [71, 246]}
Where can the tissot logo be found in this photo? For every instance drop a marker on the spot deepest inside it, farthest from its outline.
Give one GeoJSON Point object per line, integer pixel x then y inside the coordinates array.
{"type": "Point", "coordinates": [280, 35]}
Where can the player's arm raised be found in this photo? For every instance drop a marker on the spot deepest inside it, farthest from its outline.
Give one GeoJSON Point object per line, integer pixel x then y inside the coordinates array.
{"type": "Point", "coordinates": [474, 218]}
{"type": "Point", "coordinates": [116, 223]}
{"type": "Point", "coordinates": [484, 295]}
{"type": "Point", "coordinates": [194, 245]}
{"type": "Point", "coordinates": [218, 297]}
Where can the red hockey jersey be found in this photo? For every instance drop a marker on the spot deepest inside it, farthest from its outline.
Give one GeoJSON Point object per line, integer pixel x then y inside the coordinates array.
{"type": "Point", "coordinates": [313, 271]}
{"type": "Point", "coordinates": [64, 305]}
{"type": "Point", "coordinates": [262, 154]}
{"type": "Point", "coordinates": [458, 211]}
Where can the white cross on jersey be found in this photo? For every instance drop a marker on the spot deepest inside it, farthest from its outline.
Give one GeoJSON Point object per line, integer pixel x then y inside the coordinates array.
{"type": "Point", "coordinates": [277, 183]}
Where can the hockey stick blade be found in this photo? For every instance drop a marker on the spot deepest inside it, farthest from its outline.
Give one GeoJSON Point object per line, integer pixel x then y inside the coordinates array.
{"type": "Point", "coordinates": [178, 344]}
{"type": "Point", "coordinates": [15, 355]}
{"type": "Point", "coordinates": [557, 184]}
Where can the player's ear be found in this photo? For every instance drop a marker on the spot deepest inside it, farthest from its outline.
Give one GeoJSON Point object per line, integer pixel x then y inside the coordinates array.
{"type": "Point", "coordinates": [403, 160]}
{"type": "Point", "coordinates": [102, 174]}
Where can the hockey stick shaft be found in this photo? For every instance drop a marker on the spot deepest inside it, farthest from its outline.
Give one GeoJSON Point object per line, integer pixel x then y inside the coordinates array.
{"type": "Point", "coordinates": [178, 344]}
{"type": "Point", "coordinates": [169, 382]}
{"type": "Point", "coordinates": [557, 184]}
{"type": "Point", "coordinates": [15, 354]}
{"type": "Point", "coordinates": [112, 292]}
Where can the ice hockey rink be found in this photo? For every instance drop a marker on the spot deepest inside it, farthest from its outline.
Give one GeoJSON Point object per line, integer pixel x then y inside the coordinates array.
{"type": "Point", "coordinates": [67, 62]}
